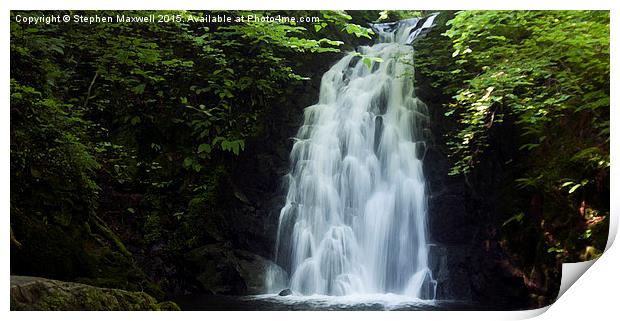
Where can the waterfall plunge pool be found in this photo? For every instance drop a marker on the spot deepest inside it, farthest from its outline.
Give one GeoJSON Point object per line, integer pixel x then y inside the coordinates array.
{"type": "Point", "coordinates": [358, 302]}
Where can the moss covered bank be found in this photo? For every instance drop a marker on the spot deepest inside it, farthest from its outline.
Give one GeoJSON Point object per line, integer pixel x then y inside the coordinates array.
{"type": "Point", "coordinates": [33, 293]}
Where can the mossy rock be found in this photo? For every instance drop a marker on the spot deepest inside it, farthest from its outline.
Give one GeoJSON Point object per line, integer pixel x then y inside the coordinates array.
{"type": "Point", "coordinates": [168, 306]}
{"type": "Point", "coordinates": [33, 293]}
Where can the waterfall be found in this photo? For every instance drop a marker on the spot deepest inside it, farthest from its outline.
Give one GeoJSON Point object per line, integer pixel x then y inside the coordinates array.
{"type": "Point", "coordinates": [354, 221]}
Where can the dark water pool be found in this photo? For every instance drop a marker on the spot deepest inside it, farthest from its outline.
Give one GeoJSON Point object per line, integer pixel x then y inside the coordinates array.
{"type": "Point", "coordinates": [273, 302]}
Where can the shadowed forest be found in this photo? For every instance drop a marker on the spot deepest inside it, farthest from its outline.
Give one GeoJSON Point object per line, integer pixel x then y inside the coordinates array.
{"type": "Point", "coordinates": [149, 157]}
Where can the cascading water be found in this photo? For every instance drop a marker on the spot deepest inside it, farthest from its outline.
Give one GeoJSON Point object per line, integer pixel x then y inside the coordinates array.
{"type": "Point", "coordinates": [354, 221]}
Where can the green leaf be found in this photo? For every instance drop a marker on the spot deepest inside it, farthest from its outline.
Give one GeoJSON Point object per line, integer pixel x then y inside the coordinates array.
{"type": "Point", "coordinates": [135, 120]}
{"type": "Point", "coordinates": [501, 38]}
{"type": "Point", "coordinates": [383, 15]}
{"type": "Point", "coordinates": [139, 89]}
{"type": "Point", "coordinates": [204, 148]}
{"type": "Point", "coordinates": [367, 62]}
{"type": "Point", "coordinates": [514, 218]}
{"type": "Point", "coordinates": [188, 162]}
{"type": "Point", "coordinates": [574, 188]}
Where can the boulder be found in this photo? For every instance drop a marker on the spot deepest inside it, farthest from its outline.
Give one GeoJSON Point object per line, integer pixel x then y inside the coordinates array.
{"type": "Point", "coordinates": [285, 292]}
{"type": "Point", "coordinates": [34, 293]}
{"type": "Point", "coordinates": [222, 269]}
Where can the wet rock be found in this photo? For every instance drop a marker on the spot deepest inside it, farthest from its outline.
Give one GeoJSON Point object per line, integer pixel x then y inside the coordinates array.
{"type": "Point", "coordinates": [451, 270]}
{"type": "Point", "coordinates": [221, 269]}
{"type": "Point", "coordinates": [285, 292]}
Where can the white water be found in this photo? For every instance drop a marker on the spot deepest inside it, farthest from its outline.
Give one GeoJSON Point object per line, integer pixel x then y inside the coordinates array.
{"type": "Point", "coordinates": [347, 302]}
{"type": "Point", "coordinates": [354, 222]}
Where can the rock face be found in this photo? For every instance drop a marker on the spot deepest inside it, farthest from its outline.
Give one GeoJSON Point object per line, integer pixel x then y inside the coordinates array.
{"type": "Point", "coordinates": [466, 258]}
{"type": "Point", "coordinates": [34, 293]}
{"type": "Point", "coordinates": [221, 269]}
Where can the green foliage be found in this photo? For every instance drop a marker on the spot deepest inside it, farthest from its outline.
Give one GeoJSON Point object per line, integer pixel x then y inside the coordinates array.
{"type": "Point", "coordinates": [196, 220]}
{"type": "Point", "coordinates": [342, 21]}
{"type": "Point", "coordinates": [536, 67]}
{"type": "Point", "coordinates": [532, 88]}
{"type": "Point", "coordinates": [152, 229]}
{"type": "Point", "coordinates": [193, 92]}
{"type": "Point", "coordinates": [525, 96]}
{"type": "Point", "coordinates": [51, 167]}
{"type": "Point", "coordinates": [395, 15]}
{"type": "Point", "coordinates": [154, 111]}
{"type": "Point", "coordinates": [546, 71]}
